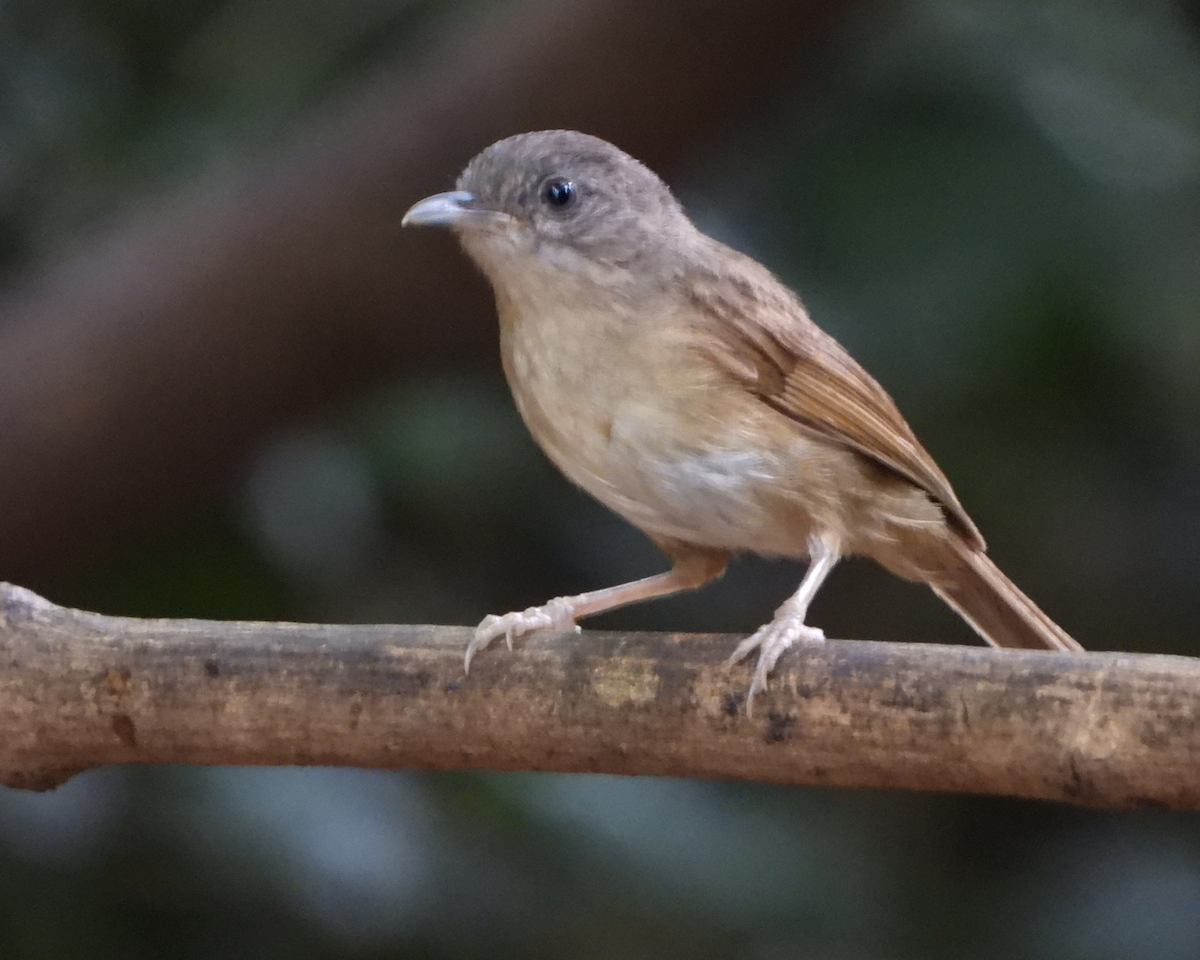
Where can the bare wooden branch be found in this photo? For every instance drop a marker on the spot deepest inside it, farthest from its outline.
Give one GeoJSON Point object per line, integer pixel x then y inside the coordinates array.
{"type": "Point", "coordinates": [78, 690]}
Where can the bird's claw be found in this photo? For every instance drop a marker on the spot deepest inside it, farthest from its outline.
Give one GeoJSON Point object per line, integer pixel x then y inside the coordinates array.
{"type": "Point", "coordinates": [771, 640]}
{"type": "Point", "coordinates": [556, 615]}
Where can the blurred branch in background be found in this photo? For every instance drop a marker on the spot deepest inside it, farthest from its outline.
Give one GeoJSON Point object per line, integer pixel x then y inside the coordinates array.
{"type": "Point", "coordinates": [82, 690]}
{"type": "Point", "coordinates": [141, 370]}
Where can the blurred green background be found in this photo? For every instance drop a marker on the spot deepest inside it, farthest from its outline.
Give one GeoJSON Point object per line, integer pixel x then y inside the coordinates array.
{"type": "Point", "coordinates": [994, 205]}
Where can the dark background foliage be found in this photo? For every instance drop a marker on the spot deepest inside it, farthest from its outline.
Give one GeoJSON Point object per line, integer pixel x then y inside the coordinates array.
{"type": "Point", "coordinates": [993, 205]}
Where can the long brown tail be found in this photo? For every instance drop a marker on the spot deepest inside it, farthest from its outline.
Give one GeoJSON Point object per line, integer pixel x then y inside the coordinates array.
{"type": "Point", "coordinates": [994, 606]}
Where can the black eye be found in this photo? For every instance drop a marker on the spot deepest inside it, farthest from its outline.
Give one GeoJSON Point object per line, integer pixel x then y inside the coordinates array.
{"type": "Point", "coordinates": [559, 193]}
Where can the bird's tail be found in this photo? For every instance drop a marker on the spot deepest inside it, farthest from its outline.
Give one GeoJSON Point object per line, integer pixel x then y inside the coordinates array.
{"type": "Point", "coordinates": [994, 605]}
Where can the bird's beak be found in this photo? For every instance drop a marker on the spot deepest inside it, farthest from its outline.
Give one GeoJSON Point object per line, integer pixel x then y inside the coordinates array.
{"type": "Point", "coordinates": [455, 209]}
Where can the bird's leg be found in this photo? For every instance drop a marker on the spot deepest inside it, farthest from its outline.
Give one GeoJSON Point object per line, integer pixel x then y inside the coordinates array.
{"type": "Point", "coordinates": [692, 568]}
{"type": "Point", "coordinates": [788, 627]}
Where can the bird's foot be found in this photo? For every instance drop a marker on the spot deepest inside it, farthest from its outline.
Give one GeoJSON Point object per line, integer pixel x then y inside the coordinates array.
{"type": "Point", "coordinates": [771, 640]}
{"type": "Point", "coordinates": [557, 615]}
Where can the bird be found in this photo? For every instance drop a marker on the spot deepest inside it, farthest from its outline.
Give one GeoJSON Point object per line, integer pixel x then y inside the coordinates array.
{"type": "Point", "coordinates": [686, 388]}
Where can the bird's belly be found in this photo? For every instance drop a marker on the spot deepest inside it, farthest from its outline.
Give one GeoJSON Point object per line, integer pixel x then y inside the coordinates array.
{"type": "Point", "coordinates": [717, 498]}
{"type": "Point", "coordinates": [717, 491]}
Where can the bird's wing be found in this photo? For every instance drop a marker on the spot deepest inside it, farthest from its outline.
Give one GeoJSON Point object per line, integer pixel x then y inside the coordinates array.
{"type": "Point", "coordinates": [761, 334]}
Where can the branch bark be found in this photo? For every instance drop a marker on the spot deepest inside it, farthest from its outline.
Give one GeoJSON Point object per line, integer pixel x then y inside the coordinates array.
{"type": "Point", "coordinates": [79, 690]}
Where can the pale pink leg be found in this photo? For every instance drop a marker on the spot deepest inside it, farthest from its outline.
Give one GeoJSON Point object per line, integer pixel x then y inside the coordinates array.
{"type": "Point", "coordinates": [561, 613]}
{"type": "Point", "coordinates": [788, 627]}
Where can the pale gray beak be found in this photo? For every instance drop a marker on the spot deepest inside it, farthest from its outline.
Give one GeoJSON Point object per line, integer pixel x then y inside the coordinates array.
{"type": "Point", "coordinates": [457, 208]}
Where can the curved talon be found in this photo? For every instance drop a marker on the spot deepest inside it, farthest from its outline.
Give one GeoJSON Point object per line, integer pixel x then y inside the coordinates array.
{"type": "Point", "coordinates": [771, 640]}
{"type": "Point", "coordinates": [744, 648]}
{"type": "Point", "coordinates": [556, 615]}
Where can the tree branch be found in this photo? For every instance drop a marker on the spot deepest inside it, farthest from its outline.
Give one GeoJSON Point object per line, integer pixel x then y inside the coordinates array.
{"type": "Point", "coordinates": [79, 690]}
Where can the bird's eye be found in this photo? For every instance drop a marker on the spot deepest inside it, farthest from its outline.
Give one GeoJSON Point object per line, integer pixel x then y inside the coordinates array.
{"type": "Point", "coordinates": [559, 193]}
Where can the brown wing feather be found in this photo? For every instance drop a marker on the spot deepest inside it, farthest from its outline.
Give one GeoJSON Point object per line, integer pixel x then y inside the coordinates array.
{"type": "Point", "coordinates": [765, 338]}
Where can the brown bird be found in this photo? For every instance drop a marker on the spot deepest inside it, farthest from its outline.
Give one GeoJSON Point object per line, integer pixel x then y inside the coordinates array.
{"type": "Point", "coordinates": [685, 387]}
